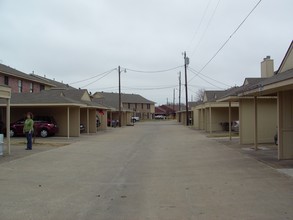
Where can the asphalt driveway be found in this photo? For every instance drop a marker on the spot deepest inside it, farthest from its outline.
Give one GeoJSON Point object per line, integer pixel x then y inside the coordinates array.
{"type": "Point", "coordinates": [154, 170]}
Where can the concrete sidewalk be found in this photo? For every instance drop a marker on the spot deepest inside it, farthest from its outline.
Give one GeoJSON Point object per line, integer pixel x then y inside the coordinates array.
{"type": "Point", "coordinates": [266, 153]}
{"type": "Point", "coordinates": [149, 171]}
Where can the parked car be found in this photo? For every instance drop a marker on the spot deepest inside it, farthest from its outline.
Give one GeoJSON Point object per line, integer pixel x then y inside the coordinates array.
{"type": "Point", "coordinates": [134, 119]}
{"type": "Point", "coordinates": [44, 126]}
{"type": "Point", "coordinates": [160, 117]}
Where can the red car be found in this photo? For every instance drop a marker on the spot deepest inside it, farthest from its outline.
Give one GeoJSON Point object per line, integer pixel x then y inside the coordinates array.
{"type": "Point", "coordinates": [44, 126]}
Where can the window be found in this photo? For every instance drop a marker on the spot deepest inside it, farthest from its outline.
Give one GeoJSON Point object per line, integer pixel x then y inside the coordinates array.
{"type": "Point", "coordinates": [128, 105]}
{"type": "Point", "coordinates": [148, 106]}
{"type": "Point", "coordinates": [6, 80]}
{"type": "Point", "coordinates": [141, 105]}
{"type": "Point", "coordinates": [42, 87]}
{"type": "Point", "coordinates": [135, 105]}
{"type": "Point", "coordinates": [19, 86]}
{"type": "Point", "coordinates": [31, 87]}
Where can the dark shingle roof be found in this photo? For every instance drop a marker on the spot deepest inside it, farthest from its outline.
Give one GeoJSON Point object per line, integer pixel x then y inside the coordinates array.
{"type": "Point", "coordinates": [53, 82]}
{"type": "Point", "coordinates": [53, 97]}
{"type": "Point", "coordinates": [112, 99]}
{"type": "Point", "coordinates": [213, 95]}
{"type": "Point", "coordinates": [16, 73]}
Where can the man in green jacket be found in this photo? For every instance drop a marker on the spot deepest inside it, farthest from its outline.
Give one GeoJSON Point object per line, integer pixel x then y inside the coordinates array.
{"type": "Point", "coordinates": [28, 130]}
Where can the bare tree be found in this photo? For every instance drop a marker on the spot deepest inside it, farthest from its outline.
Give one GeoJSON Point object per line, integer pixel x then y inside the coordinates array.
{"type": "Point", "coordinates": [200, 95]}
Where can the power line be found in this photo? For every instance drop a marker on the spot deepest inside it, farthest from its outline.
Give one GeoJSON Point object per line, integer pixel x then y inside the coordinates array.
{"type": "Point", "coordinates": [200, 23]}
{"type": "Point", "coordinates": [197, 72]}
{"type": "Point", "coordinates": [83, 80]}
{"type": "Point", "coordinates": [198, 75]}
{"type": "Point", "coordinates": [209, 22]}
{"type": "Point", "coordinates": [234, 32]}
{"type": "Point", "coordinates": [151, 88]}
{"type": "Point", "coordinates": [106, 74]}
{"type": "Point", "coordinates": [152, 71]}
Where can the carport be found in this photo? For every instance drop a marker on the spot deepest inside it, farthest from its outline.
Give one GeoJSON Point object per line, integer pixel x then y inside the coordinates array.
{"type": "Point", "coordinates": [65, 111]}
{"type": "Point", "coordinates": [5, 93]}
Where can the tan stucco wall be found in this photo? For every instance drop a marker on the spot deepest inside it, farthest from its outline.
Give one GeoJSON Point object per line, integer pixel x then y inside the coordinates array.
{"type": "Point", "coordinates": [196, 118]}
{"type": "Point", "coordinates": [93, 121]}
{"type": "Point", "coordinates": [141, 110]}
{"type": "Point", "coordinates": [220, 115]}
{"type": "Point", "coordinates": [285, 126]}
{"type": "Point", "coordinates": [74, 120]}
{"type": "Point", "coordinates": [267, 120]}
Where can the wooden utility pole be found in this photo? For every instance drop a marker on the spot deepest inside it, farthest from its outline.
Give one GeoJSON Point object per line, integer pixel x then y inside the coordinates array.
{"type": "Point", "coordinates": [119, 76]}
{"type": "Point", "coordinates": [186, 62]}
{"type": "Point", "coordinates": [173, 99]}
{"type": "Point", "coordinates": [179, 91]}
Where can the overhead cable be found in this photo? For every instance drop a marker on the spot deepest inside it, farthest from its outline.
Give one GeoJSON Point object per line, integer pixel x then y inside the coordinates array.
{"type": "Point", "coordinates": [234, 32]}
{"type": "Point", "coordinates": [197, 72]}
{"type": "Point", "coordinates": [152, 71]}
{"type": "Point", "coordinates": [209, 22]}
{"type": "Point", "coordinates": [100, 74]}
{"type": "Point", "coordinates": [106, 74]}
{"type": "Point", "coordinates": [200, 23]}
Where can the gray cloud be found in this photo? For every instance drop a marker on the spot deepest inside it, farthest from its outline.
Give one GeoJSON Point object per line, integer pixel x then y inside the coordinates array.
{"type": "Point", "coordinates": [73, 40]}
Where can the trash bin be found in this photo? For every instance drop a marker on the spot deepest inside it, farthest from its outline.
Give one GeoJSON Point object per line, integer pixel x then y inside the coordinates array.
{"type": "Point", "coordinates": [1, 144]}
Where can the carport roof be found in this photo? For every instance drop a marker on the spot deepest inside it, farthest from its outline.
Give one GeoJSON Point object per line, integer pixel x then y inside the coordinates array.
{"type": "Point", "coordinates": [126, 98]}
{"type": "Point", "coordinates": [52, 98]}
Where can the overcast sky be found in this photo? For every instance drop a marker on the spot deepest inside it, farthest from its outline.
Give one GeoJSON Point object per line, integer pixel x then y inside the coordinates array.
{"type": "Point", "coordinates": [72, 40]}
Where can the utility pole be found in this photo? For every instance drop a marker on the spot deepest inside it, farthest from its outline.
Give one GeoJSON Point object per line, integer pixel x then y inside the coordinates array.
{"type": "Point", "coordinates": [186, 62]}
{"type": "Point", "coordinates": [119, 76]}
{"type": "Point", "coordinates": [173, 99]}
{"type": "Point", "coordinates": [180, 91]}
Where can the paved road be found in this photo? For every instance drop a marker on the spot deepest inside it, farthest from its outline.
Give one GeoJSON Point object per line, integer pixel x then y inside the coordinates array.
{"type": "Point", "coordinates": [155, 170]}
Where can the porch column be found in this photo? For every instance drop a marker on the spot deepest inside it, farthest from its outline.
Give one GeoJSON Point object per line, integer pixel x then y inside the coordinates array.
{"type": "Point", "coordinates": [8, 126]}
{"type": "Point", "coordinates": [230, 136]}
{"type": "Point", "coordinates": [255, 123]}
{"type": "Point", "coordinates": [280, 124]}
{"type": "Point", "coordinates": [88, 121]}
{"type": "Point", "coordinates": [210, 116]}
{"type": "Point", "coordinates": [68, 123]}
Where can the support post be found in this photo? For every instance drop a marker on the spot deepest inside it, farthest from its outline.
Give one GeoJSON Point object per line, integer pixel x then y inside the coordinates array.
{"type": "Point", "coordinates": [68, 123]}
{"type": "Point", "coordinates": [255, 124]}
{"type": "Point", "coordinates": [8, 126]}
{"type": "Point", "coordinates": [88, 121]}
{"type": "Point", "coordinates": [230, 134]}
{"type": "Point", "coordinates": [210, 116]}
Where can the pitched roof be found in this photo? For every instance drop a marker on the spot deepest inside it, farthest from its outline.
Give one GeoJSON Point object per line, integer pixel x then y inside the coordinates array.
{"type": "Point", "coordinates": [251, 81]}
{"type": "Point", "coordinates": [53, 97]}
{"type": "Point", "coordinates": [213, 95]}
{"type": "Point", "coordinates": [53, 82]}
{"type": "Point", "coordinates": [159, 110]}
{"type": "Point", "coordinates": [112, 99]}
{"type": "Point", "coordinates": [194, 104]}
{"type": "Point", "coordinates": [288, 55]}
{"type": "Point", "coordinates": [7, 70]}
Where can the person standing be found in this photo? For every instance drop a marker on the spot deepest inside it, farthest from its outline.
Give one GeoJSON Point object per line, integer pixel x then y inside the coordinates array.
{"type": "Point", "coordinates": [28, 130]}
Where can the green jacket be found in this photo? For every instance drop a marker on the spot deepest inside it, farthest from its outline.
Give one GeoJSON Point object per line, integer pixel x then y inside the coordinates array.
{"type": "Point", "coordinates": [28, 125]}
